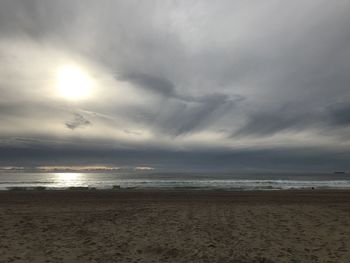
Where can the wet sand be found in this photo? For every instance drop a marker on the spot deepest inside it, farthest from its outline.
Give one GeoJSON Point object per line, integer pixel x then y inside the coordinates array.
{"type": "Point", "coordinates": [174, 226]}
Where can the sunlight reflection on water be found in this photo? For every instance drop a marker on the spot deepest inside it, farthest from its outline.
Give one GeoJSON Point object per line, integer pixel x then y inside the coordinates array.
{"type": "Point", "coordinates": [62, 180]}
{"type": "Point", "coordinates": [68, 178]}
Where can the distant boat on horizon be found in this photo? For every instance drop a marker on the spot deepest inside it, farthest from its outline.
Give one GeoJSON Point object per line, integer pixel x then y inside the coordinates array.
{"type": "Point", "coordinates": [339, 172]}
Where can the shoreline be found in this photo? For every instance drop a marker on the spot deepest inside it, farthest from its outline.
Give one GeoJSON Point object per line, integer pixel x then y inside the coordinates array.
{"type": "Point", "coordinates": [110, 196]}
{"type": "Point", "coordinates": [115, 188]}
{"type": "Point", "coordinates": [175, 226]}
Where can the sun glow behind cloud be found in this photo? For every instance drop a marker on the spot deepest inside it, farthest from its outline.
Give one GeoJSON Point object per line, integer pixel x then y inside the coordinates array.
{"type": "Point", "coordinates": [73, 83]}
{"type": "Point", "coordinates": [94, 80]}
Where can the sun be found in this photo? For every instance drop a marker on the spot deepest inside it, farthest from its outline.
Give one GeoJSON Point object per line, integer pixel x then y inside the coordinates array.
{"type": "Point", "coordinates": [73, 83]}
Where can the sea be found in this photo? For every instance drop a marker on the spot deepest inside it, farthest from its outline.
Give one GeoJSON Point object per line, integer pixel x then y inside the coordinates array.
{"type": "Point", "coordinates": [149, 180]}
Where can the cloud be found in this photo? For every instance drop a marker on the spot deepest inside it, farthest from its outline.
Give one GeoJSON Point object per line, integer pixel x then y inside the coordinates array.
{"type": "Point", "coordinates": [186, 113]}
{"type": "Point", "coordinates": [184, 118]}
{"type": "Point", "coordinates": [79, 121]}
{"type": "Point", "coordinates": [248, 160]}
{"type": "Point", "coordinates": [280, 119]}
{"type": "Point", "coordinates": [152, 83]}
{"type": "Point", "coordinates": [339, 114]}
{"type": "Point", "coordinates": [229, 74]}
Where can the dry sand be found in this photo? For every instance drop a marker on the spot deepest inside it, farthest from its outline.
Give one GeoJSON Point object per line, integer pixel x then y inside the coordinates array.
{"type": "Point", "coordinates": [184, 226]}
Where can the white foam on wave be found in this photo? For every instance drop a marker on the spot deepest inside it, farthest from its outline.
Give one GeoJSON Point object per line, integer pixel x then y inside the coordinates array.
{"type": "Point", "coordinates": [108, 180]}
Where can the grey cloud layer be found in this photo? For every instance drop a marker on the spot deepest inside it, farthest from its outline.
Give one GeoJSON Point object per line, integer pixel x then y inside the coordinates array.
{"type": "Point", "coordinates": [213, 73]}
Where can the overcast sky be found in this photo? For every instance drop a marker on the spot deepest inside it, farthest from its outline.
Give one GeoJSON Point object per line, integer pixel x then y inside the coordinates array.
{"type": "Point", "coordinates": [221, 85]}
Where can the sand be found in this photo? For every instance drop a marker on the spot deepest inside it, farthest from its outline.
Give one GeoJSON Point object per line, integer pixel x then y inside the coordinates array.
{"type": "Point", "coordinates": [174, 226]}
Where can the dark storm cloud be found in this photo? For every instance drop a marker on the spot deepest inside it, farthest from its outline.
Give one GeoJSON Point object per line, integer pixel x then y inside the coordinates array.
{"type": "Point", "coordinates": [278, 159]}
{"type": "Point", "coordinates": [340, 114]}
{"type": "Point", "coordinates": [240, 74]}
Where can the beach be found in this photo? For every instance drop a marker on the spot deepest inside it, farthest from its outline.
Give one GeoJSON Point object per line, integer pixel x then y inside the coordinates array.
{"type": "Point", "coordinates": [175, 226]}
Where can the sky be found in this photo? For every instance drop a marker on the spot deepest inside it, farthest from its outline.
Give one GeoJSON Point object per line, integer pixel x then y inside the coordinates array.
{"type": "Point", "coordinates": [176, 85]}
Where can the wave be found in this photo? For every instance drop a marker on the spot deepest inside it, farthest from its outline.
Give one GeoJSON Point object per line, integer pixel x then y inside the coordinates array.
{"type": "Point", "coordinates": [28, 182]}
{"type": "Point", "coordinates": [239, 185]}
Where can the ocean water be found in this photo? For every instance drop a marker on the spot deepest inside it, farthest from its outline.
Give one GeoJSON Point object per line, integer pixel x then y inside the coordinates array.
{"type": "Point", "coordinates": [142, 180]}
